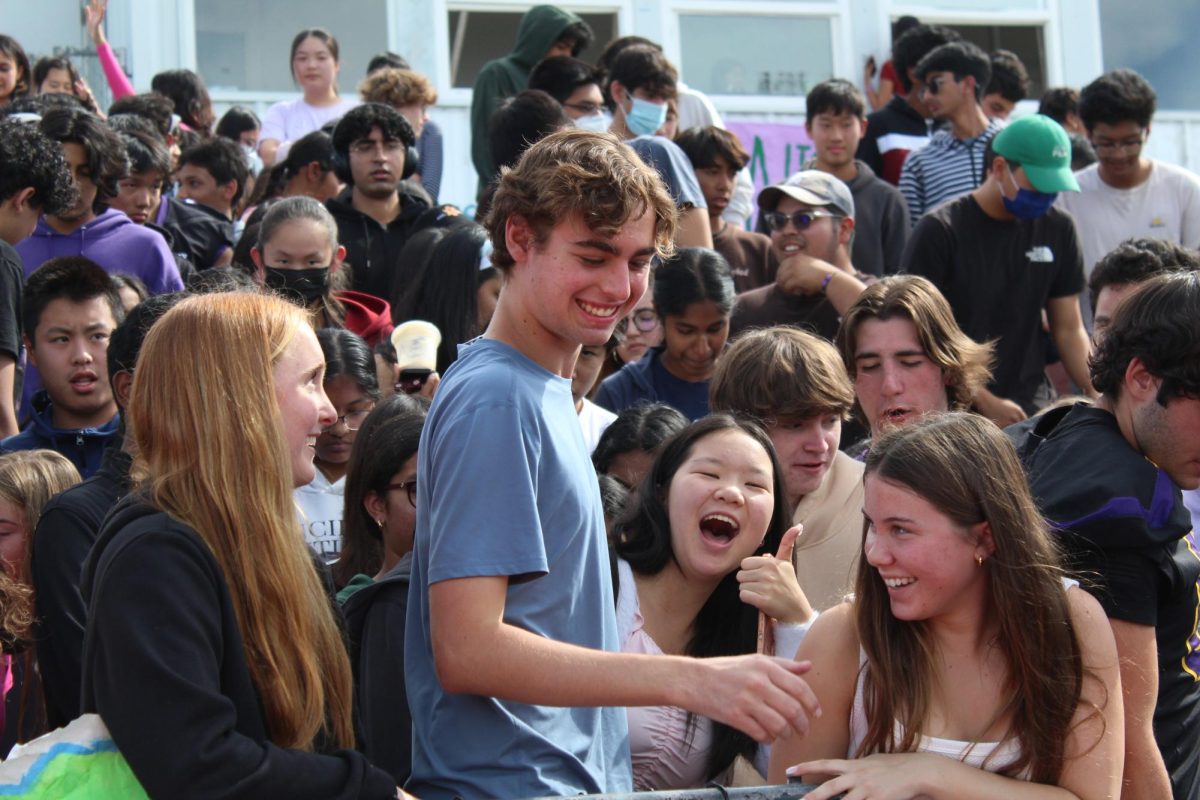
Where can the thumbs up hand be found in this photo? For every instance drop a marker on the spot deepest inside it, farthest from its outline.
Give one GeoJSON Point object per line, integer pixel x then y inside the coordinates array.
{"type": "Point", "coordinates": [768, 583]}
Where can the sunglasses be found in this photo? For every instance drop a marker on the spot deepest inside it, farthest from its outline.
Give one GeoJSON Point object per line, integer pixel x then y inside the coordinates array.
{"type": "Point", "coordinates": [801, 220]}
{"type": "Point", "coordinates": [934, 85]}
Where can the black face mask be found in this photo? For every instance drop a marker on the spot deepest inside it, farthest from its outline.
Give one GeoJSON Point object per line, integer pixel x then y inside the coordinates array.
{"type": "Point", "coordinates": [304, 286]}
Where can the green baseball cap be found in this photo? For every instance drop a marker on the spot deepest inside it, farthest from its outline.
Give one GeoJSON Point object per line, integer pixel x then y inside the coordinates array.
{"type": "Point", "coordinates": [1041, 147]}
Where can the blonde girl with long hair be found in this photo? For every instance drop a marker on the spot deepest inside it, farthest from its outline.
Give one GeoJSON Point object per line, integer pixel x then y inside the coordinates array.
{"type": "Point", "coordinates": [965, 666]}
{"type": "Point", "coordinates": [211, 649]}
{"type": "Point", "coordinates": [28, 479]}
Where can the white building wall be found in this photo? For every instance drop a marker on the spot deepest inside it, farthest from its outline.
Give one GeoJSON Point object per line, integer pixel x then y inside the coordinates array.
{"type": "Point", "coordinates": [161, 34]}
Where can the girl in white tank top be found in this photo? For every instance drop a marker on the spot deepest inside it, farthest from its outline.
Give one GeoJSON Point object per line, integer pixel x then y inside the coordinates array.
{"type": "Point", "coordinates": [956, 669]}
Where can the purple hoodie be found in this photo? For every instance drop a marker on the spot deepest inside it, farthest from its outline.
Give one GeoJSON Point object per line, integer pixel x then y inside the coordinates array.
{"type": "Point", "coordinates": [114, 242]}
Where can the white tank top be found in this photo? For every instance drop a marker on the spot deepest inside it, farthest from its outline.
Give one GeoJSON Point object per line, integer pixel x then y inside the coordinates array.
{"type": "Point", "coordinates": [990, 756]}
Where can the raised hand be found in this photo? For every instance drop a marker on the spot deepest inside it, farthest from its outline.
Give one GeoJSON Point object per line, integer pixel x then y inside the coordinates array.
{"type": "Point", "coordinates": [768, 583]}
{"type": "Point", "coordinates": [94, 19]}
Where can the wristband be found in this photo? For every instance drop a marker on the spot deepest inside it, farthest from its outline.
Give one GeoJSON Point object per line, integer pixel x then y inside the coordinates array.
{"type": "Point", "coordinates": [825, 282]}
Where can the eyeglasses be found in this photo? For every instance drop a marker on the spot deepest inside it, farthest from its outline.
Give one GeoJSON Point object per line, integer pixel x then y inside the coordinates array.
{"type": "Point", "coordinates": [409, 487]}
{"type": "Point", "coordinates": [587, 109]}
{"type": "Point", "coordinates": [1125, 145]}
{"type": "Point", "coordinates": [644, 320]}
{"type": "Point", "coordinates": [802, 220]}
{"type": "Point", "coordinates": [353, 420]}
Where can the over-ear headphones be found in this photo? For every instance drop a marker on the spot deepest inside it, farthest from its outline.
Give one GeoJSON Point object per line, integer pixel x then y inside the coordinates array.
{"type": "Point", "coordinates": [341, 145]}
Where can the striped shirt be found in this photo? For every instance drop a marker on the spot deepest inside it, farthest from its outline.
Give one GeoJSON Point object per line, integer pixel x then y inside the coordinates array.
{"type": "Point", "coordinates": [945, 168]}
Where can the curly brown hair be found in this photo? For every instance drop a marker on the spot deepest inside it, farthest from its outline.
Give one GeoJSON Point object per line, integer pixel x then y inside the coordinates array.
{"type": "Point", "coordinates": [397, 87]}
{"type": "Point", "coordinates": [579, 173]}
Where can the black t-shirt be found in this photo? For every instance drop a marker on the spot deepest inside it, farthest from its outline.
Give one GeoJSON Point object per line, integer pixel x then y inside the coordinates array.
{"type": "Point", "coordinates": [1129, 539]}
{"type": "Point", "coordinates": [998, 276]}
{"type": "Point", "coordinates": [60, 545]}
{"type": "Point", "coordinates": [11, 281]}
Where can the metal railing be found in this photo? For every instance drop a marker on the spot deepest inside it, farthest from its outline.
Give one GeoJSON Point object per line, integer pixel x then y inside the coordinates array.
{"type": "Point", "coordinates": [788, 791]}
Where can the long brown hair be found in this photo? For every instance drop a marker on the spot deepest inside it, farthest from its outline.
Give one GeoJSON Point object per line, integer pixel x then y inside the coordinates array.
{"type": "Point", "coordinates": [213, 456]}
{"type": "Point", "coordinates": [967, 468]}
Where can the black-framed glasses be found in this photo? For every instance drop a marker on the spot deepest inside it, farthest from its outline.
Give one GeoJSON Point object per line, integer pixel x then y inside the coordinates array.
{"type": "Point", "coordinates": [353, 420]}
{"type": "Point", "coordinates": [409, 487]}
{"type": "Point", "coordinates": [801, 220]}
{"type": "Point", "coordinates": [644, 320]}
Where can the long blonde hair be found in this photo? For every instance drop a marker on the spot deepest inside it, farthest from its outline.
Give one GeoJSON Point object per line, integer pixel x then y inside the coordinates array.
{"type": "Point", "coordinates": [29, 478]}
{"type": "Point", "coordinates": [209, 450]}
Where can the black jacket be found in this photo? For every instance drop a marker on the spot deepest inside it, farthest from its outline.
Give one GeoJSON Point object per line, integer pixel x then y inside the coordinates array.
{"type": "Point", "coordinates": [61, 542]}
{"type": "Point", "coordinates": [198, 233]}
{"type": "Point", "coordinates": [165, 667]}
{"type": "Point", "coordinates": [375, 617]}
{"type": "Point", "coordinates": [892, 133]}
{"type": "Point", "coordinates": [373, 251]}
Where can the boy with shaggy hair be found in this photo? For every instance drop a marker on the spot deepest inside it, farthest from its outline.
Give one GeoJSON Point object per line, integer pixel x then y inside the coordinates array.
{"type": "Point", "coordinates": [514, 682]}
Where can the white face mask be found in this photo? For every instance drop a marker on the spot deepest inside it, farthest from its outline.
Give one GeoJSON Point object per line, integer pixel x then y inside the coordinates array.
{"type": "Point", "coordinates": [596, 123]}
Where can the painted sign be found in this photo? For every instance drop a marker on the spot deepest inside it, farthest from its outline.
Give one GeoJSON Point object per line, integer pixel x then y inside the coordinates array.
{"type": "Point", "coordinates": [776, 150]}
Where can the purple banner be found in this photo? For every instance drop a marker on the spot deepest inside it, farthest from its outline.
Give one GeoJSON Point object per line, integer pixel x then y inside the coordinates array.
{"type": "Point", "coordinates": [776, 150]}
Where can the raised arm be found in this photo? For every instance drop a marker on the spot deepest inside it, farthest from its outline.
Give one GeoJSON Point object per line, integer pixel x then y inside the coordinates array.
{"type": "Point", "coordinates": [118, 81]}
{"type": "Point", "coordinates": [803, 274]}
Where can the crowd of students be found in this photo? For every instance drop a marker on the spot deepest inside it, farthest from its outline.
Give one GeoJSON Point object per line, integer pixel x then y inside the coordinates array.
{"type": "Point", "coordinates": [670, 501]}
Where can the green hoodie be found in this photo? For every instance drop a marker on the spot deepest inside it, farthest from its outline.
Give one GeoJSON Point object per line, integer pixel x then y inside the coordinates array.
{"type": "Point", "coordinates": [540, 28]}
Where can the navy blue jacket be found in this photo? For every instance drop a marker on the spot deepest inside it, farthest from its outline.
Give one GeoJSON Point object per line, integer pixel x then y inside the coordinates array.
{"type": "Point", "coordinates": [83, 447]}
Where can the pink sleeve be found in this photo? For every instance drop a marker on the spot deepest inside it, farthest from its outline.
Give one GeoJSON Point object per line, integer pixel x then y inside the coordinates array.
{"type": "Point", "coordinates": [118, 82]}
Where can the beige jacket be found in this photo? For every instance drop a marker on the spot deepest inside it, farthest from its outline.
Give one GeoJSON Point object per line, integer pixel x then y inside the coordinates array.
{"type": "Point", "coordinates": [826, 554]}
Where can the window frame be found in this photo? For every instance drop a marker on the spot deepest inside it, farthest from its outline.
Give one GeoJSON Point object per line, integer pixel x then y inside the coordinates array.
{"type": "Point", "coordinates": [1047, 19]}
{"type": "Point", "coordinates": [460, 97]}
{"type": "Point", "coordinates": [841, 46]}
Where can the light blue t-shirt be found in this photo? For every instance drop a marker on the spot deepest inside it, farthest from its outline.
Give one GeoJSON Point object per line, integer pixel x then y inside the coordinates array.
{"type": "Point", "coordinates": [673, 167]}
{"type": "Point", "coordinates": [505, 487]}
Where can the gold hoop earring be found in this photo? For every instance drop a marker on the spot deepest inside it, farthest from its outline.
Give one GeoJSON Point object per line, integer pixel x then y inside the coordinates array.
{"type": "Point", "coordinates": [979, 560]}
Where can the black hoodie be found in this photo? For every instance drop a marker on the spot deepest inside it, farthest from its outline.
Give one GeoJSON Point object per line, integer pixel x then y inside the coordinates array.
{"type": "Point", "coordinates": [164, 664]}
{"type": "Point", "coordinates": [372, 250]}
{"type": "Point", "coordinates": [375, 621]}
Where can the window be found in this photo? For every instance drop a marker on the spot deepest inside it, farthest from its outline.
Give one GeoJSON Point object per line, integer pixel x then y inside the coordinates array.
{"type": "Point", "coordinates": [1027, 41]}
{"type": "Point", "coordinates": [755, 54]}
{"type": "Point", "coordinates": [1156, 38]}
{"type": "Point", "coordinates": [245, 46]}
{"type": "Point", "coordinates": [477, 37]}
